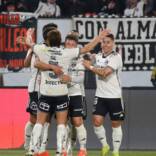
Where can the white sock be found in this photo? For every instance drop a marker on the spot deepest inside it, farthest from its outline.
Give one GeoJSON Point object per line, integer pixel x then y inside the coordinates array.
{"type": "Point", "coordinates": [61, 130]}
{"type": "Point", "coordinates": [44, 137]}
{"type": "Point", "coordinates": [101, 135]}
{"type": "Point", "coordinates": [117, 138]}
{"type": "Point", "coordinates": [36, 134]}
{"type": "Point", "coordinates": [27, 134]}
{"type": "Point", "coordinates": [66, 137]}
{"type": "Point", "coordinates": [82, 136]}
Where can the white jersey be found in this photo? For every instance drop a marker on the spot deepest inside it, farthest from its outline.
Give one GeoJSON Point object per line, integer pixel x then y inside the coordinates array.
{"type": "Point", "coordinates": [138, 11]}
{"type": "Point", "coordinates": [48, 9]}
{"type": "Point", "coordinates": [109, 87]}
{"type": "Point", "coordinates": [34, 81]}
{"type": "Point", "coordinates": [50, 83]}
{"type": "Point", "coordinates": [76, 71]}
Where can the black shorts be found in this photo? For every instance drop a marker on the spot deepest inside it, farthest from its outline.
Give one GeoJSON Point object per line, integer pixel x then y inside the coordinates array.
{"type": "Point", "coordinates": [33, 103]}
{"type": "Point", "coordinates": [77, 106]}
{"type": "Point", "coordinates": [51, 104]}
{"type": "Point", "coordinates": [113, 106]}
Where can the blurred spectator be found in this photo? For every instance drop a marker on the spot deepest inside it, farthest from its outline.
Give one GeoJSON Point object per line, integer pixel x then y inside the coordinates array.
{"type": "Point", "coordinates": [93, 6]}
{"type": "Point", "coordinates": [112, 7]}
{"type": "Point", "coordinates": [72, 7]}
{"type": "Point", "coordinates": [32, 5]}
{"type": "Point", "coordinates": [48, 9]}
{"type": "Point", "coordinates": [150, 8]}
{"type": "Point", "coordinates": [21, 6]}
{"type": "Point", "coordinates": [134, 8]}
{"type": "Point", "coordinates": [10, 7]}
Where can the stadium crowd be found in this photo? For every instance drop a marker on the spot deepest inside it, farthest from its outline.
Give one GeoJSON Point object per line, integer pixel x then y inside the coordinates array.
{"type": "Point", "coordinates": [68, 8]}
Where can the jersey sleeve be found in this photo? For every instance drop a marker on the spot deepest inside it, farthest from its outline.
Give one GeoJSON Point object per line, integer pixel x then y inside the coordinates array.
{"type": "Point", "coordinates": [37, 49]}
{"type": "Point", "coordinates": [115, 62]}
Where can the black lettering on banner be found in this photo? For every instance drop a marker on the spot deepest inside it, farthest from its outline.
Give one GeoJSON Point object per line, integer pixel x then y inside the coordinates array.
{"type": "Point", "coordinates": [142, 28]}
{"type": "Point", "coordinates": [130, 36]}
{"type": "Point", "coordinates": [154, 32]}
{"type": "Point", "coordinates": [78, 25]}
{"type": "Point", "coordinates": [137, 56]}
{"type": "Point", "coordinates": [102, 24]}
{"type": "Point", "coordinates": [120, 32]}
{"type": "Point", "coordinates": [89, 26]}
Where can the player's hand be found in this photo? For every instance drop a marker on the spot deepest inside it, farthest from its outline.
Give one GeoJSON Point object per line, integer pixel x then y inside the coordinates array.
{"type": "Point", "coordinates": [65, 78]}
{"type": "Point", "coordinates": [57, 70]}
{"type": "Point", "coordinates": [29, 38]}
{"type": "Point", "coordinates": [87, 64]}
{"type": "Point", "coordinates": [103, 33]}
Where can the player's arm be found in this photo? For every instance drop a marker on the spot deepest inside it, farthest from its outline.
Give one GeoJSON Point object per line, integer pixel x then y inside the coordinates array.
{"type": "Point", "coordinates": [76, 79]}
{"type": "Point", "coordinates": [88, 47]}
{"type": "Point", "coordinates": [27, 60]}
{"type": "Point", "coordinates": [44, 66]}
{"type": "Point", "coordinates": [103, 72]}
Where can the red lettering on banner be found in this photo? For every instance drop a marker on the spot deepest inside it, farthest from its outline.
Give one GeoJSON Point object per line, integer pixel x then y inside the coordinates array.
{"type": "Point", "coordinates": [9, 19]}
{"type": "Point", "coordinates": [8, 39]}
{"type": "Point", "coordinates": [15, 35]}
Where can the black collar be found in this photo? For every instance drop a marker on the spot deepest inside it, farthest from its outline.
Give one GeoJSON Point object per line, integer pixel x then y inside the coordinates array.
{"type": "Point", "coordinates": [104, 56]}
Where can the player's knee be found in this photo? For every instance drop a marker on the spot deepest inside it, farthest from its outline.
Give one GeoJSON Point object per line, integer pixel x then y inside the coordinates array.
{"type": "Point", "coordinates": [97, 122]}
{"type": "Point", "coordinates": [33, 119]}
{"type": "Point", "coordinates": [116, 124]}
{"type": "Point", "coordinates": [77, 121]}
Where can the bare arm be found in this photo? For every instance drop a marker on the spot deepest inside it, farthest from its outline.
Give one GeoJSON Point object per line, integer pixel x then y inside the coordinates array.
{"type": "Point", "coordinates": [27, 60]}
{"type": "Point", "coordinates": [44, 66]}
{"type": "Point", "coordinates": [88, 47]}
{"type": "Point", "coordinates": [103, 72]}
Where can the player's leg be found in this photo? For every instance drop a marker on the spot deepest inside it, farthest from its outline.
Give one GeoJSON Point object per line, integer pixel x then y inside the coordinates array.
{"type": "Point", "coordinates": [77, 121]}
{"type": "Point", "coordinates": [42, 115]}
{"type": "Point", "coordinates": [61, 118]}
{"type": "Point", "coordinates": [117, 115]}
{"type": "Point", "coordinates": [99, 112]}
{"type": "Point", "coordinates": [28, 131]}
{"type": "Point", "coordinates": [44, 137]}
{"type": "Point", "coordinates": [67, 141]}
{"type": "Point", "coordinates": [32, 110]}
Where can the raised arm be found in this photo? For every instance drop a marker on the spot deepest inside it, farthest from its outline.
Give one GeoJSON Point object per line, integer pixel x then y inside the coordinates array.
{"type": "Point", "coordinates": [88, 47]}
{"type": "Point", "coordinates": [27, 60]}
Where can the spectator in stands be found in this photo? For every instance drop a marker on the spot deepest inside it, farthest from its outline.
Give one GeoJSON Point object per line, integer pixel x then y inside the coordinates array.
{"type": "Point", "coordinates": [10, 7]}
{"type": "Point", "coordinates": [150, 8]}
{"type": "Point", "coordinates": [22, 6]}
{"type": "Point", "coordinates": [72, 7]}
{"type": "Point", "coordinates": [134, 8]}
{"type": "Point", "coordinates": [48, 9]}
{"type": "Point", "coordinates": [112, 7]}
{"type": "Point", "coordinates": [31, 5]}
{"type": "Point", "coordinates": [93, 6]}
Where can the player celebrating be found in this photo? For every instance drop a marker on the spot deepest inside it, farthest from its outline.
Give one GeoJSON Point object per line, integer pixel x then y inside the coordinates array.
{"type": "Point", "coordinates": [108, 98]}
{"type": "Point", "coordinates": [75, 80]}
{"type": "Point", "coordinates": [54, 93]}
{"type": "Point", "coordinates": [33, 89]}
